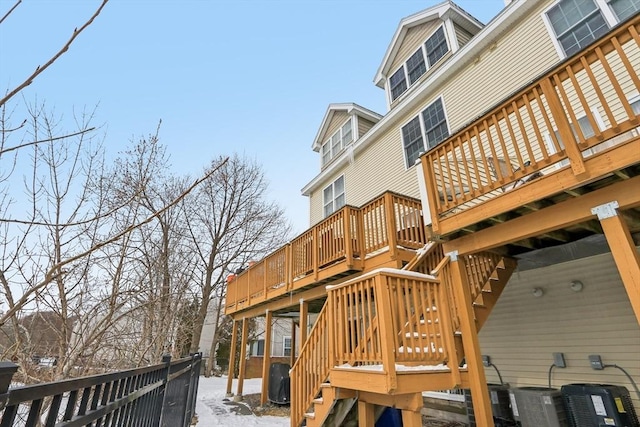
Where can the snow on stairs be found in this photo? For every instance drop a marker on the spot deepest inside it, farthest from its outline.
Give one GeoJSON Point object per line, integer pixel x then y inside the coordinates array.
{"type": "Point", "coordinates": [331, 408]}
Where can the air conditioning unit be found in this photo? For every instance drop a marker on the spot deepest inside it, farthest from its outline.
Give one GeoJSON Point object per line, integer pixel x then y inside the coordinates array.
{"type": "Point", "coordinates": [599, 405]}
{"type": "Point", "coordinates": [500, 406]}
{"type": "Point", "coordinates": [538, 407]}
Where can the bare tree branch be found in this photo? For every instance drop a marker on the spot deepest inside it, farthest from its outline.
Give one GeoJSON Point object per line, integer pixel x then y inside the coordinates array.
{"type": "Point", "coordinates": [27, 144]}
{"type": "Point", "coordinates": [10, 10]}
{"type": "Point", "coordinates": [56, 270]}
{"type": "Point", "coordinates": [53, 59]}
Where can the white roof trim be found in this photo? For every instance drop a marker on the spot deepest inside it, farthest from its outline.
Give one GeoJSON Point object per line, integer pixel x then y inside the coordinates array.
{"type": "Point", "coordinates": [483, 39]}
{"type": "Point", "coordinates": [439, 11]}
{"type": "Point", "coordinates": [351, 109]}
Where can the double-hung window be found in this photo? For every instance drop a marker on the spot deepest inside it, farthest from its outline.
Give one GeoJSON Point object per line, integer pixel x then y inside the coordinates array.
{"type": "Point", "coordinates": [436, 46]}
{"type": "Point", "coordinates": [334, 145]}
{"type": "Point", "coordinates": [424, 132]}
{"type": "Point", "coordinates": [333, 196]}
{"type": "Point", "coordinates": [624, 8]}
{"type": "Point", "coordinates": [576, 23]}
{"type": "Point", "coordinates": [286, 346]}
{"type": "Point", "coordinates": [422, 59]}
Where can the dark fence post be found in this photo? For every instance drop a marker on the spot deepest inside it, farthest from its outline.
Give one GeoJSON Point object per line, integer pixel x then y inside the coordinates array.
{"type": "Point", "coordinates": [196, 361]}
{"type": "Point", "coordinates": [7, 369]}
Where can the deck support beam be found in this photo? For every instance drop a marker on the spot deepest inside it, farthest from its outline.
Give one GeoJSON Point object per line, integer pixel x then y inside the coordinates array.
{"type": "Point", "coordinates": [470, 342]}
{"type": "Point", "coordinates": [266, 358]}
{"type": "Point", "coordinates": [243, 356]}
{"type": "Point", "coordinates": [304, 318]}
{"type": "Point", "coordinates": [232, 356]}
{"type": "Point", "coordinates": [623, 249]}
{"type": "Point", "coordinates": [293, 342]}
{"type": "Point", "coordinates": [366, 414]}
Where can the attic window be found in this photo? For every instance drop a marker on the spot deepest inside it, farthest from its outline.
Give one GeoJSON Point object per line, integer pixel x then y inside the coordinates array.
{"type": "Point", "coordinates": [334, 145]}
{"type": "Point", "coordinates": [436, 46]}
{"type": "Point", "coordinates": [433, 49]}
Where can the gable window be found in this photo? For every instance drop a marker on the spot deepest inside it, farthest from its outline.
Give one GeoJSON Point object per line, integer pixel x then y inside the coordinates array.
{"type": "Point", "coordinates": [416, 66]}
{"type": "Point", "coordinates": [337, 142]}
{"type": "Point", "coordinates": [422, 59]}
{"type": "Point", "coordinates": [424, 132]}
{"type": "Point", "coordinates": [286, 346]}
{"type": "Point", "coordinates": [436, 46]}
{"type": "Point", "coordinates": [624, 8]}
{"type": "Point", "coordinates": [576, 23]}
{"type": "Point", "coordinates": [398, 83]}
{"type": "Point", "coordinates": [333, 196]}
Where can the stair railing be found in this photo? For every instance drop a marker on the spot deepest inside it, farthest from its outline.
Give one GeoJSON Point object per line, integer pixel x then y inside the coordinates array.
{"type": "Point", "coordinates": [311, 368]}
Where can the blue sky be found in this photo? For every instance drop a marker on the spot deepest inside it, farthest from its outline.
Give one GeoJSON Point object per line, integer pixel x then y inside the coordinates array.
{"type": "Point", "coordinates": [247, 76]}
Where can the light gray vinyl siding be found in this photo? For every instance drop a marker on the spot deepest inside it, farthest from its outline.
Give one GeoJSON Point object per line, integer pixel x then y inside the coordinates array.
{"type": "Point", "coordinates": [363, 126]}
{"type": "Point", "coordinates": [523, 331]}
{"type": "Point", "coordinates": [412, 41]}
{"type": "Point", "coordinates": [462, 35]}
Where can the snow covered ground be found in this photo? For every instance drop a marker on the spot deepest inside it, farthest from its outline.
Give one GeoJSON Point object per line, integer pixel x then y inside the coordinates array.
{"type": "Point", "coordinates": [214, 409]}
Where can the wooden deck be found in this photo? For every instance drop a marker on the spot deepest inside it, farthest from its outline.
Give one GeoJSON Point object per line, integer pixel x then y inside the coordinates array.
{"type": "Point", "coordinates": [383, 233]}
{"type": "Point", "coordinates": [526, 154]}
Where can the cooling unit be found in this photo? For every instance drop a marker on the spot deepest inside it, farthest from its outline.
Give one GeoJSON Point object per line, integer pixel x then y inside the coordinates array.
{"type": "Point", "coordinates": [599, 405]}
{"type": "Point", "coordinates": [538, 407]}
{"type": "Point", "coordinates": [500, 406]}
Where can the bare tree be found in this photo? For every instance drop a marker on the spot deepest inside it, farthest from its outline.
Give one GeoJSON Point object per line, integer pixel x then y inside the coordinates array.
{"type": "Point", "coordinates": [230, 221]}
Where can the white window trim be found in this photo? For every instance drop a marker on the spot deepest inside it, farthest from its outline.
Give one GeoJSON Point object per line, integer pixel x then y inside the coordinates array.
{"type": "Point", "coordinates": [284, 346]}
{"type": "Point", "coordinates": [333, 192]}
{"type": "Point", "coordinates": [603, 5]}
{"type": "Point", "coordinates": [422, 128]}
{"type": "Point", "coordinates": [332, 154]}
{"type": "Point", "coordinates": [448, 29]}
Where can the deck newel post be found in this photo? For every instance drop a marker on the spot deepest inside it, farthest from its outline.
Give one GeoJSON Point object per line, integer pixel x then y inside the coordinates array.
{"type": "Point", "coordinates": [266, 358]}
{"type": "Point", "coordinates": [431, 189]}
{"type": "Point", "coordinates": [304, 314]}
{"type": "Point", "coordinates": [243, 357]}
{"type": "Point", "coordinates": [564, 128]}
{"type": "Point", "coordinates": [288, 267]}
{"type": "Point", "coordinates": [388, 343]}
{"type": "Point", "coordinates": [293, 342]}
{"type": "Point", "coordinates": [348, 246]}
{"type": "Point", "coordinates": [623, 250]}
{"type": "Point", "coordinates": [392, 233]}
{"type": "Point", "coordinates": [315, 252]}
{"type": "Point", "coordinates": [232, 356]}
{"type": "Point", "coordinates": [477, 378]}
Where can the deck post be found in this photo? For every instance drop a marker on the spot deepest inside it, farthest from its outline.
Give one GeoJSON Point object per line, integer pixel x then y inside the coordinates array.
{"type": "Point", "coordinates": [266, 358]}
{"type": "Point", "coordinates": [477, 378]}
{"type": "Point", "coordinates": [366, 415]}
{"type": "Point", "coordinates": [411, 418]}
{"type": "Point", "coordinates": [293, 342]}
{"type": "Point", "coordinates": [243, 357]}
{"type": "Point", "coordinates": [392, 230]}
{"type": "Point", "coordinates": [623, 250]}
{"type": "Point", "coordinates": [232, 357]}
{"type": "Point", "coordinates": [564, 127]}
{"type": "Point", "coordinates": [304, 317]}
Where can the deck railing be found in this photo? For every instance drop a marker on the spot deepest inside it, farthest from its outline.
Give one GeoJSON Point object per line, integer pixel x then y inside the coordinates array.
{"type": "Point", "coordinates": [384, 318]}
{"type": "Point", "coordinates": [158, 395]}
{"type": "Point", "coordinates": [348, 236]}
{"type": "Point", "coordinates": [581, 107]}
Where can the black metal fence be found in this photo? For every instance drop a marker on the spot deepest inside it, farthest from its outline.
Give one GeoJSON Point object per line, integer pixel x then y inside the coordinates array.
{"type": "Point", "coordinates": [160, 395]}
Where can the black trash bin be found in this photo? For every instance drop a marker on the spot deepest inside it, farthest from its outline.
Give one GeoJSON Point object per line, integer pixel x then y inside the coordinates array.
{"type": "Point", "coordinates": [279, 388]}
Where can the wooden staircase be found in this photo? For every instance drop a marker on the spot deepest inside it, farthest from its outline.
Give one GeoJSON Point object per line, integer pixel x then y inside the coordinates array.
{"type": "Point", "coordinates": [388, 335]}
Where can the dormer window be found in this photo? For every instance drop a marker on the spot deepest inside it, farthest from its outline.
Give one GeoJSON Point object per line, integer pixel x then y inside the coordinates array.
{"type": "Point", "coordinates": [336, 143]}
{"type": "Point", "coordinates": [433, 49]}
